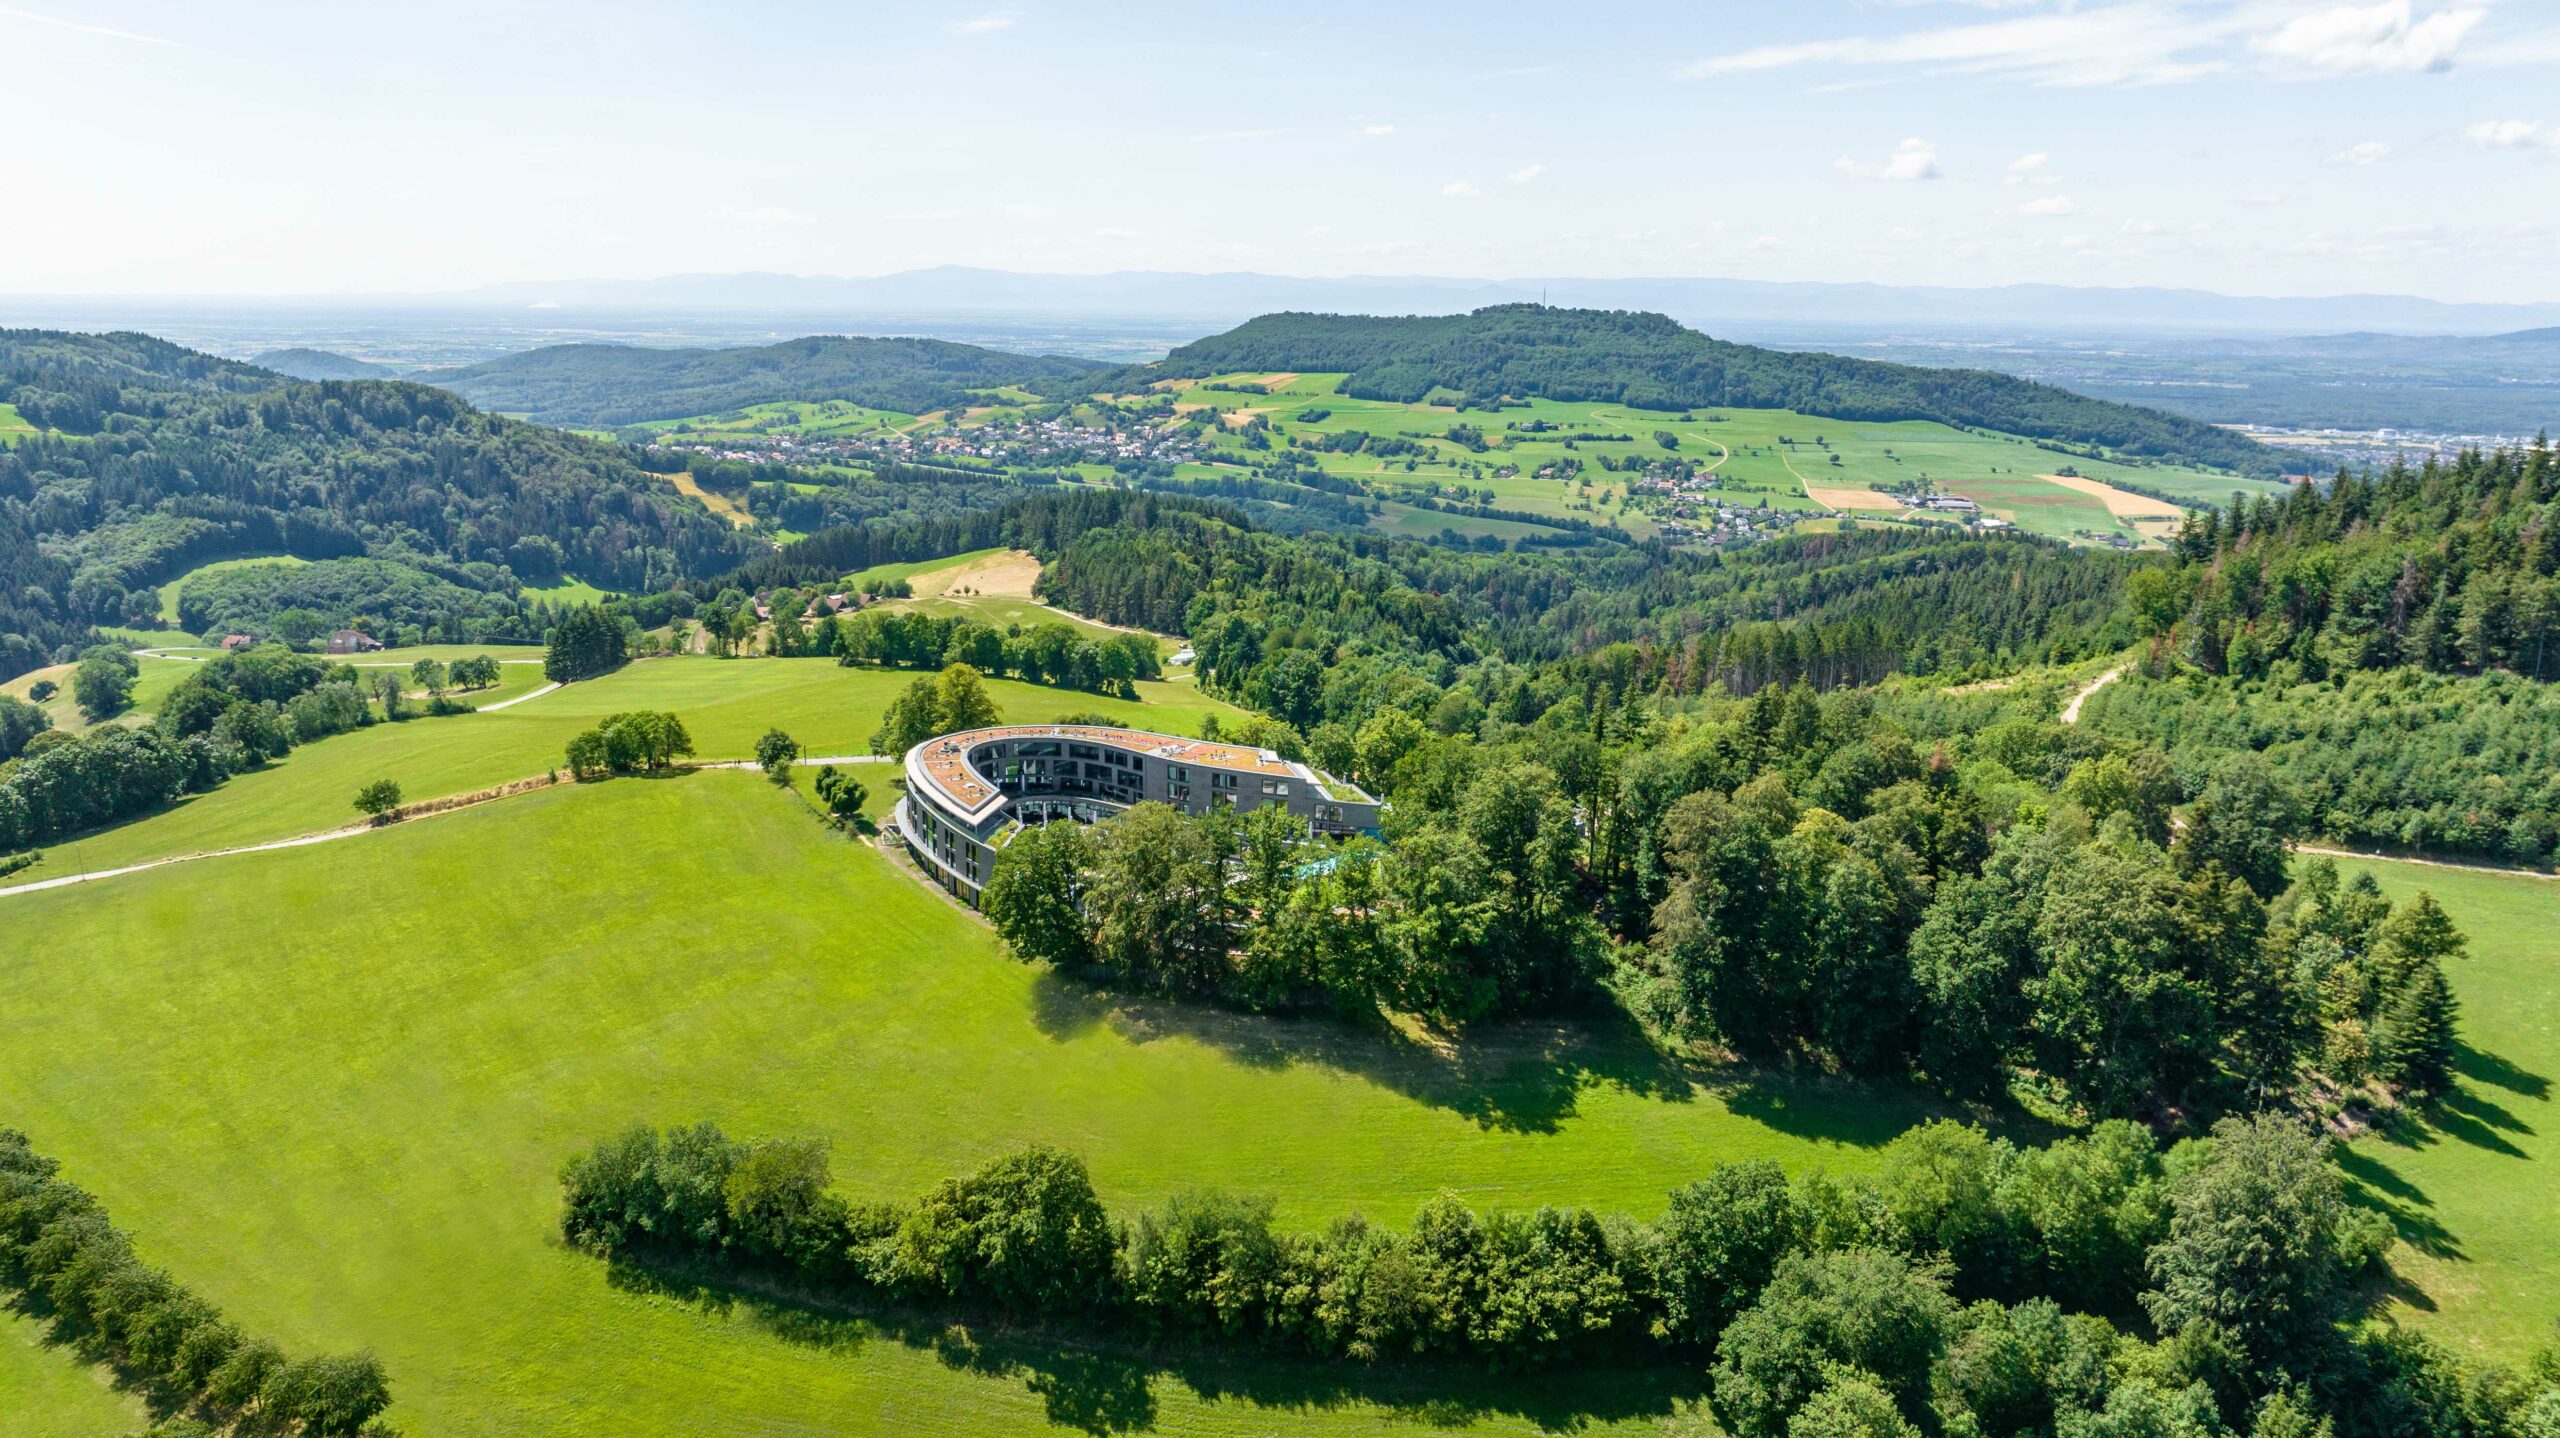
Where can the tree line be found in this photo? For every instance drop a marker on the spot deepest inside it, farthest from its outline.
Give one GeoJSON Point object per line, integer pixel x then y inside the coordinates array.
{"type": "Point", "coordinates": [231, 713]}
{"type": "Point", "coordinates": [1792, 878]}
{"type": "Point", "coordinates": [71, 1265]}
{"type": "Point", "coordinates": [2097, 1287]}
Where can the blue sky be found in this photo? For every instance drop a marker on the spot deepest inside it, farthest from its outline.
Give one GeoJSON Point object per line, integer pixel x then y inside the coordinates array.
{"type": "Point", "coordinates": [2254, 146]}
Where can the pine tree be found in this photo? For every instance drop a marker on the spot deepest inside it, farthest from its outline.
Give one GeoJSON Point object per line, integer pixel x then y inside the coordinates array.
{"type": "Point", "coordinates": [2414, 1039]}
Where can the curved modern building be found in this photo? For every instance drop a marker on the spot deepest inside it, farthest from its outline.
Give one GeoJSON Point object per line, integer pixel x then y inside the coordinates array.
{"type": "Point", "coordinates": [967, 792]}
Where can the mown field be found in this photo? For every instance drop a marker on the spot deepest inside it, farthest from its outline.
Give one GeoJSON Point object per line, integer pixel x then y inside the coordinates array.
{"type": "Point", "coordinates": [726, 705]}
{"type": "Point", "coordinates": [2472, 1188]}
{"type": "Point", "coordinates": [443, 1011]}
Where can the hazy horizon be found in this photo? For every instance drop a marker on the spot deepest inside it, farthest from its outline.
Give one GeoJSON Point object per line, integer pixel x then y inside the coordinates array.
{"type": "Point", "coordinates": [2245, 147]}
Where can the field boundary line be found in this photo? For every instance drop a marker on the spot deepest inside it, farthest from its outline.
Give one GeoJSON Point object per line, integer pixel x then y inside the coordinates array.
{"type": "Point", "coordinates": [423, 809]}
{"type": "Point", "coordinates": [2382, 858]}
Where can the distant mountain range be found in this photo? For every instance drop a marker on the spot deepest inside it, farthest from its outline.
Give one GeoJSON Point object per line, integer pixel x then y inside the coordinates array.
{"type": "Point", "coordinates": [1229, 298]}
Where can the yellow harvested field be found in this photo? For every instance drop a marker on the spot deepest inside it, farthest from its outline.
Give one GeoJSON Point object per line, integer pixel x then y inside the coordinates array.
{"type": "Point", "coordinates": [2151, 518]}
{"type": "Point", "coordinates": [1837, 498]}
{"type": "Point", "coordinates": [719, 504]}
{"type": "Point", "coordinates": [1009, 575]}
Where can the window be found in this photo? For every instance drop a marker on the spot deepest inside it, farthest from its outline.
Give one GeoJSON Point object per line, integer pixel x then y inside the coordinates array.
{"type": "Point", "coordinates": [1276, 786]}
{"type": "Point", "coordinates": [1177, 773]}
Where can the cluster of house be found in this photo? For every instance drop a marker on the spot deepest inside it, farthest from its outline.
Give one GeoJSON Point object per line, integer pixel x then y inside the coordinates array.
{"type": "Point", "coordinates": [1048, 442]}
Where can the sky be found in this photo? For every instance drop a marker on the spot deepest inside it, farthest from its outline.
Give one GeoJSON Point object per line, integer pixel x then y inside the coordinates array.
{"type": "Point", "coordinates": [2284, 147]}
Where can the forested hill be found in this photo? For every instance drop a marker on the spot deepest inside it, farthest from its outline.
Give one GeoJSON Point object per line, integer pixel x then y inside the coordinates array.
{"type": "Point", "coordinates": [617, 384]}
{"type": "Point", "coordinates": [304, 363]}
{"type": "Point", "coordinates": [156, 458]}
{"type": "Point", "coordinates": [1648, 361]}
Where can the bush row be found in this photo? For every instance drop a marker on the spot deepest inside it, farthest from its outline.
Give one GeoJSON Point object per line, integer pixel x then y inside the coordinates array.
{"type": "Point", "coordinates": [2089, 1287]}
{"type": "Point", "coordinates": [58, 1250]}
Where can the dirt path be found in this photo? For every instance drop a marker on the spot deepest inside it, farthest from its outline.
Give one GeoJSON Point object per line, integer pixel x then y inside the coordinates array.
{"type": "Point", "coordinates": [1833, 497]}
{"type": "Point", "coordinates": [424, 809]}
{"type": "Point", "coordinates": [519, 699]}
{"type": "Point", "coordinates": [2424, 863]}
{"type": "Point", "coordinates": [2071, 711]}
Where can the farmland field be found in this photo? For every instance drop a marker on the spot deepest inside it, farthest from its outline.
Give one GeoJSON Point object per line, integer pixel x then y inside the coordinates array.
{"type": "Point", "coordinates": [1771, 458]}
{"type": "Point", "coordinates": [447, 1009]}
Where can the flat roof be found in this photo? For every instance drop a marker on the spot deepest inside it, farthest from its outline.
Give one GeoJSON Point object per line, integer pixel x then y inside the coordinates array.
{"type": "Point", "coordinates": [943, 762]}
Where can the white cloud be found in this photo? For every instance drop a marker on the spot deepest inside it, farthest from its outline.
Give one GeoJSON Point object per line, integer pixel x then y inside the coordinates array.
{"type": "Point", "coordinates": [1114, 232]}
{"type": "Point", "coordinates": [84, 29]}
{"type": "Point", "coordinates": [1525, 174]}
{"type": "Point", "coordinates": [2369, 152]}
{"type": "Point", "coordinates": [2140, 42]}
{"type": "Point", "coordinates": [1460, 189]}
{"type": "Point", "coordinates": [2369, 39]}
{"type": "Point", "coordinates": [983, 24]}
{"type": "Point", "coordinates": [1767, 244]}
{"type": "Point", "coordinates": [1913, 159]}
{"type": "Point", "coordinates": [2510, 134]}
{"type": "Point", "coordinates": [2145, 227]}
{"type": "Point", "coordinates": [1375, 132]}
{"type": "Point", "coordinates": [2049, 207]}
{"type": "Point", "coordinates": [2033, 169]}
{"type": "Point", "coordinates": [1214, 137]}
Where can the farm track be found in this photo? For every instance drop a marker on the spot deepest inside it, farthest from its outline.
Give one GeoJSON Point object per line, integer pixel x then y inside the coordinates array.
{"type": "Point", "coordinates": [424, 809]}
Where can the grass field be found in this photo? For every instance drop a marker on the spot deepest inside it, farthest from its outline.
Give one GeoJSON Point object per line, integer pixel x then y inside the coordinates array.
{"type": "Point", "coordinates": [568, 591]}
{"type": "Point", "coordinates": [726, 704]}
{"type": "Point", "coordinates": [2473, 1190]}
{"type": "Point", "coordinates": [15, 426]}
{"type": "Point", "coordinates": [447, 1009]}
{"type": "Point", "coordinates": [152, 685]}
{"type": "Point", "coordinates": [169, 591]}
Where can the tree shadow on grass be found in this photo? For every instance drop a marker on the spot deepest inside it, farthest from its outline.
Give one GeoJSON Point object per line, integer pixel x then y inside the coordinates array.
{"type": "Point", "coordinates": [1522, 1076]}
{"type": "Point", "coordinates": [158, 1400]}
{"type": "Point", "coordinates": [2371, 1184]}
{"type": "Point", "coordinates": [1105, 1387]}
{"type": "Point", "coordinates": [2491, 1069]}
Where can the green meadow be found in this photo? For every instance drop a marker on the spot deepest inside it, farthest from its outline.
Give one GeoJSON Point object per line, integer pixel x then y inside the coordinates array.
{"type": "Point", "coordinates": [15, 426]}
{"type": "Point", "coordinates": [446, 1009]}
{"type": "Point", "coordinates": [2480, 1262]}
{"type": "Point", "coordinates": [159, 676]}
{"type": "Point", "coordinates": [726, 705]}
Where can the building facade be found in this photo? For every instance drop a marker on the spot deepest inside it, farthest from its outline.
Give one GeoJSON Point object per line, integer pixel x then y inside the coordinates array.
{"type": "Point", "coordinates": [968, 792]}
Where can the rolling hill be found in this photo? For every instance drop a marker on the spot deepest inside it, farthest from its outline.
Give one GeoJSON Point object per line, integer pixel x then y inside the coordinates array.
{"type": "Point", "coordinates": [302, 362]}
{"type": "Point", "coordinates": [618, 384]}
{"type": "Point", "coordinates": [1648, 361]}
